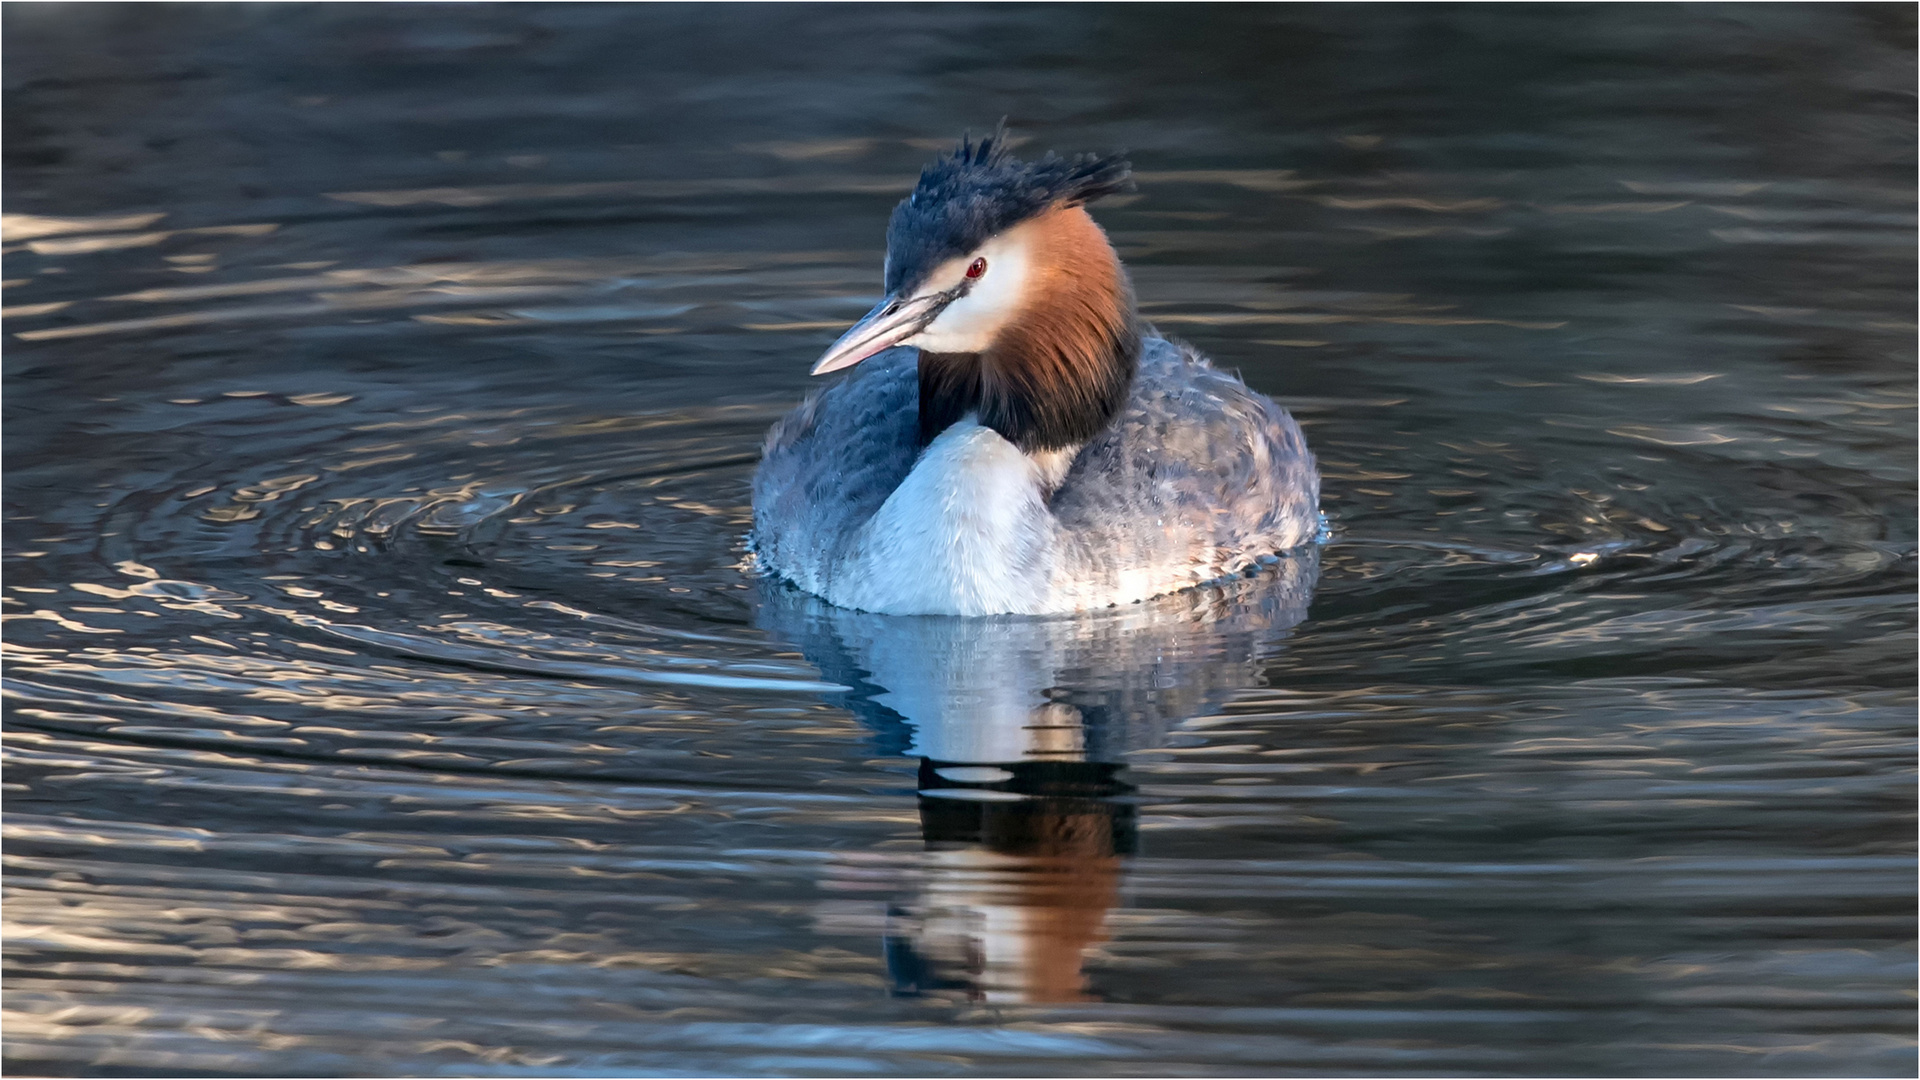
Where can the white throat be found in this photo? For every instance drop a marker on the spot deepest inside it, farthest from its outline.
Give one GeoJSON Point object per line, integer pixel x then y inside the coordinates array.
{"type": "Point", "coordinates": [967, 532]}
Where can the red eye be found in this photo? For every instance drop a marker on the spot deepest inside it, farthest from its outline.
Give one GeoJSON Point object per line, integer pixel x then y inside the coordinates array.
{"type": "Point", "coordinates": [979, 267]}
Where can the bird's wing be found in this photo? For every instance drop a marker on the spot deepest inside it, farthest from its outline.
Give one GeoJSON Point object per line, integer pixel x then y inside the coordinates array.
{"type": "Point", "coordinates": [829, 465]}
{"type": "Point", "coordinates": [1199, 470]}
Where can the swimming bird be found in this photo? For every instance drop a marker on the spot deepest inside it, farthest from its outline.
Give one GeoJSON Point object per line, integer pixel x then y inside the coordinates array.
{"type": "Point", "coordinates": [1016, 440]}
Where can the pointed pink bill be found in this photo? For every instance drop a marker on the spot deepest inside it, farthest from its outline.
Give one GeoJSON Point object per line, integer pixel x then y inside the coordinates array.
{"type": "Point", "coordinates": [891, 322]}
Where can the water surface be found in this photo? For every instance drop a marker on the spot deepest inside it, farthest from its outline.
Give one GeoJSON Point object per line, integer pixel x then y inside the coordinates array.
{"type": "Point", "coordinates": [391, 693]}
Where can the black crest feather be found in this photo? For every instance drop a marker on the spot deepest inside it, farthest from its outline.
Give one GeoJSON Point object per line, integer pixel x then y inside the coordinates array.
{"type": "Point", "coordinates": [981, 189]}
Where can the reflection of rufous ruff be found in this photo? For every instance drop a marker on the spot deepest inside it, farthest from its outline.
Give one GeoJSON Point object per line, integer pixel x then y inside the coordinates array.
{"type": "Point", "coordinates": [1015, 929]}
{"type": "Point", "coordinates": [1021, 876]}
{"type": "Point", "coordinates": [1067, 893]}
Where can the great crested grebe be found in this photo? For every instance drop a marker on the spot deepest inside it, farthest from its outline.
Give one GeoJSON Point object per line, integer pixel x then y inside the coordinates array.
{"type": "Point", "coordinates": [1043, 451]}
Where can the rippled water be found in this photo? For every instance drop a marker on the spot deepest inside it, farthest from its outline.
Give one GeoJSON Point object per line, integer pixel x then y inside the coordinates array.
{"type": "Point", "coordinates": [391, 695]}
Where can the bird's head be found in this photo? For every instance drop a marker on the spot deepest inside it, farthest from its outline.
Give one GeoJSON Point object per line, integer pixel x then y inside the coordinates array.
{"type": "Point", "coordinates": [1017, 302]}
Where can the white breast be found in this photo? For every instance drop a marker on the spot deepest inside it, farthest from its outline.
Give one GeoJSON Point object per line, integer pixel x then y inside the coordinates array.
{"type": "Point", "coordinates": [966, 533]}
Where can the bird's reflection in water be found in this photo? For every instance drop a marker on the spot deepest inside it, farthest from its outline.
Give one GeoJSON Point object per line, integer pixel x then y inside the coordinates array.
{"type": "Point", "coordinates": [1022, 726]}
{"type": "Point", "coordinates": [1022, 872]}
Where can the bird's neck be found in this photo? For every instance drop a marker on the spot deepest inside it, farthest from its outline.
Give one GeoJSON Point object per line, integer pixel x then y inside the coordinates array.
{"type": "Point", "coordinates": [1059, 372]}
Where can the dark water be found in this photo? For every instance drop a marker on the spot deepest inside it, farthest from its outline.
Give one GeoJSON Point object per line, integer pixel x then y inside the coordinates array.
{"type": "Point", "coordinates": [390, 693]}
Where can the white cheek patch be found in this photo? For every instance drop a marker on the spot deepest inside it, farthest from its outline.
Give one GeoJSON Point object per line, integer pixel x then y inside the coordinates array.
{"type": "Point", "coordinates": [971, 323]}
